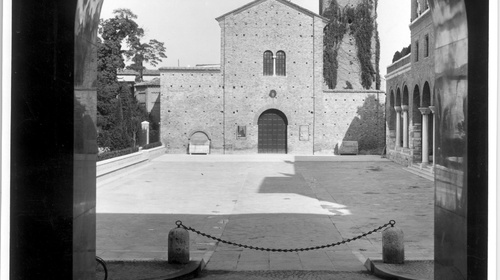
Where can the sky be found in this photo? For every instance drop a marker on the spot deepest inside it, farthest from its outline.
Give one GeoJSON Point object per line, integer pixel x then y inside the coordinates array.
{"type": "Point", "coordinates": [192, 35]}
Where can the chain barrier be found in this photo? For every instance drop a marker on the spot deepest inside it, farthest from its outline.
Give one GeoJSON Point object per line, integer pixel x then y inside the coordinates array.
{"type": "Point", "coordinates": [390, 223]}
{"type": "Point", "coordinates": [102, 263]}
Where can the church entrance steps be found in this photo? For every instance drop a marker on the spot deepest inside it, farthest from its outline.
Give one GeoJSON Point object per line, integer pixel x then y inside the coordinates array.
{"type": "Point", "coordinates": [426, 172]}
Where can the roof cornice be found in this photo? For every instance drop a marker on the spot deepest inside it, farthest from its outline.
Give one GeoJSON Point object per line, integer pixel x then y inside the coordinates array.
{"type": "Point", "coordinates": [189, 69]}
{"type": "Point", "coordinates": [285, 2]}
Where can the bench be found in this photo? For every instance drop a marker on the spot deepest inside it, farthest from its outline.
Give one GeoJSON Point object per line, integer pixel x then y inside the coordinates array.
{"type": "Point", "coordinates": [199, 148]}
{"type": "Point", "coordinates": [348, 148]}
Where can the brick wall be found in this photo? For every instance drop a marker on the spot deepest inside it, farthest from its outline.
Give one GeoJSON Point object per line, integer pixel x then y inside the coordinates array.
{"type": "Point", "coordinates": [191, 101]}
{"type": "Point", "coordinates": [335, 112]}
{"type": "Point", "coordinates": [423, 69]}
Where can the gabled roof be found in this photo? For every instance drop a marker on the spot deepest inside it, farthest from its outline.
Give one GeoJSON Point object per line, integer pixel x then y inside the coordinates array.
{"type": "Point", "coordinates": [285, 2]}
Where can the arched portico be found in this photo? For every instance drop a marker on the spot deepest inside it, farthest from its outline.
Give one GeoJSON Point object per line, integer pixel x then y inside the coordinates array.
{"type": "Point", "coordinates": [399, 125]}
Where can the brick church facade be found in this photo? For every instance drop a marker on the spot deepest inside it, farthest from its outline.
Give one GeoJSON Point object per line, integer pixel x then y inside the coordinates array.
{"type": "Point", "coordinates": [268, 95]}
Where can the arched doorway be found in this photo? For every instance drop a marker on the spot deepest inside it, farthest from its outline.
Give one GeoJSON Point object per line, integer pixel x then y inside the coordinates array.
{"type": "Point", "coordinates": [272, 132]}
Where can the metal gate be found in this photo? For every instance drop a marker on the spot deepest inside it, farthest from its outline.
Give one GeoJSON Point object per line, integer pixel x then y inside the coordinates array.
{"type": "Point", "coordinates": [272, 132]}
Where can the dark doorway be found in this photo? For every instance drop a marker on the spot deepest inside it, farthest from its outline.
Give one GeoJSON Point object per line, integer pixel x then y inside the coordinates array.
{"type": "Point", "coordinates": [272, 132]}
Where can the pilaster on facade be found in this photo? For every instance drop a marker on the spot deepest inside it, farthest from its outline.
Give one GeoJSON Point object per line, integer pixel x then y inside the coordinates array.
{"type": "Point", "coordinates": [404, 108]}
{"type": "Point", "coordinates": [419, 8]}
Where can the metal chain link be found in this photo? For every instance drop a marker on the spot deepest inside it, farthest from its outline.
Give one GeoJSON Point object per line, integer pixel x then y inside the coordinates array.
{"type": "Point", "coordinates": [391, 223]}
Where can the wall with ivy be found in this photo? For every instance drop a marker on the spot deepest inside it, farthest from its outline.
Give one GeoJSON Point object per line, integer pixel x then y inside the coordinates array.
{"type": "Point", "coordinates": [351, 45]}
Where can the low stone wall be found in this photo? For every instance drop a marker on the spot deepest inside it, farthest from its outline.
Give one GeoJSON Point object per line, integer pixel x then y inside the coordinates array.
{"type": "Point", "coordinates": [155, 152]}
{"type": "Point", "coordinates": [114, 167]}
{"type": "Point", "coordinates": [403, 157]}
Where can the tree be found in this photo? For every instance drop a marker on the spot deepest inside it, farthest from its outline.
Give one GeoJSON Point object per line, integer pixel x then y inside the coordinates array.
{"type": "Point", "coordinates": [150, 53]}
{"type": "Point", "coordinates": [368, 127]}
{"type": "Point", "coordinates": [123, 28]}
{"type": "Point", "coordinates": [118, 113]}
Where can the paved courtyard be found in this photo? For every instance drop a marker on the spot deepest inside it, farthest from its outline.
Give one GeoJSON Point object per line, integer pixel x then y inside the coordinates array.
{"type": "Point", "coordinates": [266, 201]}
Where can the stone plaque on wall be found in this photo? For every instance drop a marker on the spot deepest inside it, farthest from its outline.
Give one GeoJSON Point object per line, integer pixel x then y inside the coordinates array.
{"type": "Point", "coordinates": [304, 133]}
{"type": "Point", "coordinates": [241, 132]}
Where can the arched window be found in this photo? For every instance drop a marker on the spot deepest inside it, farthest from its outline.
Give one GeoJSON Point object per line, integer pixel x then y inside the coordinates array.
{"type": "Point", "coordinates": [268, 63]}
{"type": "Point", "coordinates": [280, 63]}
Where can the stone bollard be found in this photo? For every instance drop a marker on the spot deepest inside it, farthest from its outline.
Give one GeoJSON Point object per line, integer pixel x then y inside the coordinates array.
{"type": "Point", "coordinates": [178, 245]}
{"type": "Point", "coordinates": [393, 250]}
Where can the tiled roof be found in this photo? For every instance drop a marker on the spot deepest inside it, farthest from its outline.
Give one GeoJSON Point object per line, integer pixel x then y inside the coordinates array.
{"type": "Point", "coordinates": [149, 72]}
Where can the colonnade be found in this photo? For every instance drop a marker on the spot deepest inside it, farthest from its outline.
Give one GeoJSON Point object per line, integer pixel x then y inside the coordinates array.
{"type": "Point", "coordinates": [402, 131]}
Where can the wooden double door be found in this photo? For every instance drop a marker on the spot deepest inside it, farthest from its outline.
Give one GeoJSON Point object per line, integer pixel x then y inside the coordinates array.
{"type": "Point", "coordinates": [272, 132]}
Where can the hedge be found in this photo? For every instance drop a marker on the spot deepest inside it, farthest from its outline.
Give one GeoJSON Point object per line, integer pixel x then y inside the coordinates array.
{"type": "Point", "coordinates": [400, 54]}
{"type": "Point", "coordinates": [151, 145]}
{"type": "Point", "coordinates": [113, 154]}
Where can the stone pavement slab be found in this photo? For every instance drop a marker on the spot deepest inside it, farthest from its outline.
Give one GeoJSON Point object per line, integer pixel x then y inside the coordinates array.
{"type": "Point", "coordinates": [269, 158]}
{"type": "Point", "coordinates": [275, 202]}
{"type": "Point", "coordinates": [284, 274]}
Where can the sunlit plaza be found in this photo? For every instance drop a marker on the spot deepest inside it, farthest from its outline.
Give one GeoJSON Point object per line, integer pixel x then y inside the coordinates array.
{"type": "Point", "coordinates": [265, 139]}
{"type": "Point", "coordinates": [266, 201]}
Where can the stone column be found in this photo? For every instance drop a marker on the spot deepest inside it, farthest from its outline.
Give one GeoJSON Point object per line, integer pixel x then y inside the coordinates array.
{"type": "Point", "coordinates": [425, 134]}
{"type": "Point", "coordinates": [405, 125]}
{"type": "Point", "coordinates": [145, 130]}
{"type": "Point", "coordinates": [398, 126]}
{"type": "Point", "coordinates": [433, 111]}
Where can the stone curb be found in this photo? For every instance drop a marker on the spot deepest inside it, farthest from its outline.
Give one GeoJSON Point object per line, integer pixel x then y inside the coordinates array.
{"type": "Point", "coordinates": [190, 271]}
{"type": "Point", "coordinates": [378, 268]}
